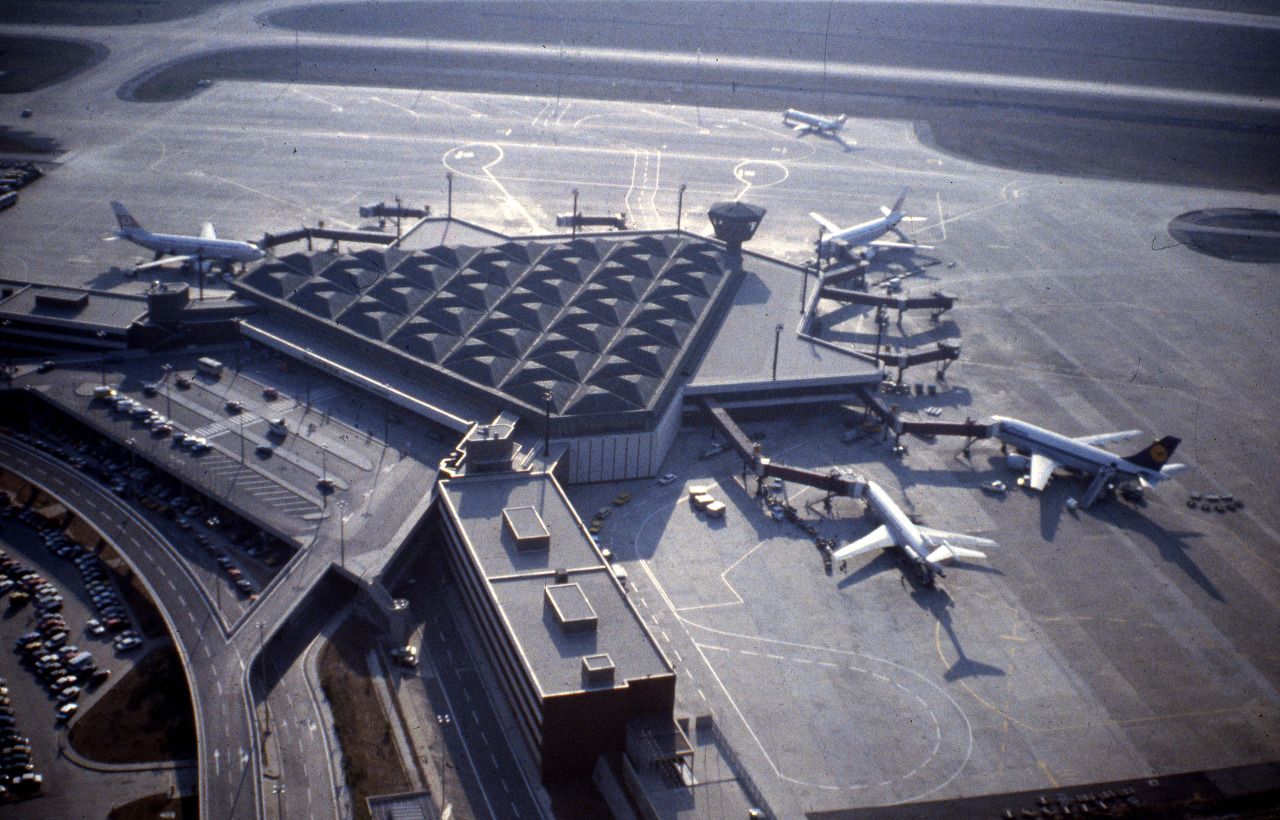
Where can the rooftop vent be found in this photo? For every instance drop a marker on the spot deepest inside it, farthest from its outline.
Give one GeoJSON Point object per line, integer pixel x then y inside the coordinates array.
{"type": "Point", "coordinates": [62, 299]}
{"type": "Point", "coordinates": [527, 528]}
{"type": "Point", "coordinates": [573, 611]}
{"type": "Point", "coordinates": [597, 668]}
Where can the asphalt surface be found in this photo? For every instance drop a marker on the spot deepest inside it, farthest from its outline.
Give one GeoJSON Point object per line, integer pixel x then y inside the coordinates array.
{"type": "Point", "coordinates": [223, 727]}
{"type": "Point", "coordinates": [1126, 641]}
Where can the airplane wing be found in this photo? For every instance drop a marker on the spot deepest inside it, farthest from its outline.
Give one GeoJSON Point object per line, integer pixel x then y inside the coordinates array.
{"type": "Point", "coordinates": [827, 224]}
{"type": "Point", "coordinates": [1041, 468]}
{"type": "Point", "coordinates": [206, 232]}
{"type": "Point", "coordinates": [946, 552]}
{"type": "Point", "coordinates": [802, 128]}
{"type": "Point", "coordinates": [163, 262]}
{"type": "Point", "coordinates": [958, 541]}
{"type": "Point", "coordinates": [1106, 438]}
{"type": "Point", "coordinates": [877, 539]}
{"type": "Point", "coordinates": [881, 243]}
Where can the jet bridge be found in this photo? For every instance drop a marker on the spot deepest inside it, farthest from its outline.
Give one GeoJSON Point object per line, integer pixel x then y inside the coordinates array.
{"type": "Point", "coordinates": [946, 352]}
{"type": "Point", "coordinates": [937, 302]}
{"type": "Point", "coordinates": [967, 429]}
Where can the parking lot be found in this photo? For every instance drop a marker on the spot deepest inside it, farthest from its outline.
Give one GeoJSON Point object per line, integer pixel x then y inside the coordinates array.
{"type": "Point", "coordinates": [67, 630]}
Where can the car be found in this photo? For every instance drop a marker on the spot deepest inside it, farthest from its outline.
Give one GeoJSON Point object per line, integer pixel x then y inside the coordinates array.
{"type": "Point", "coordinates": [666, 479]}
{"type": "Point", "coordinates": [68, 694]}
{"type": "Point", "coordinates": [98, 677]}
{"type": "Point", "coordinates": [270, 393]}
{"type": "Point", "coordinates": [182, 381]}
{"type": "Point", "coordinates": [46, 366]}
{"type": "Point", "coordinates": [995, 487]}
{"type": "Point", "coordinates": [603, 513]}
{"type": "Point", "coordinates": [713, 451]}
{"type": "Point", "coordinates": [264, 450]}
{"type": "Point", "coordinates": [621, 498]}
{"type": "Point", "coordinates": [406, 656]}
{"type": "Point", "coordinates": [150, 388]}
{"type": "Point", "coordinates": [234, 407]}
{"type": "Point", "coordinates": [67, 711]}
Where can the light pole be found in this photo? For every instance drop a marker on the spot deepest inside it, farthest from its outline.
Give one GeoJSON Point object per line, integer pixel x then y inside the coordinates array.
{"type": "Point", "coordinates": [777, 340]}
{"type": "Point", "coordinates": [680, 205]}
{"type": "Point", "coordinates": [546, 429]}
{"type": "Point", "coordinates": [449, 202]}
{"type": "Point", "coordinates": [168, 400]}
{"type": "Point", "coordinates": [574, 215]}
{"type": "Point", "coordinates": [102, 334]}
{"type": "Point", "coordinates": [342, 533]}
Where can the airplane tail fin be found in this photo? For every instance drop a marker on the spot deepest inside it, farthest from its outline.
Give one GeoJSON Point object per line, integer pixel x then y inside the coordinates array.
{"type": "Point", "coordinates": [125, 218]}
{"type": "Point", "coordinates": [1155, 456]}
{"type": "Point", "coordinates": [902, 198]}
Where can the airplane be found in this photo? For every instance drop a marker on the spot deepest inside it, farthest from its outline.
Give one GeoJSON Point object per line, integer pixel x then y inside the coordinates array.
{"type": "Point", "coordinates": [925, 547]}
{"type": "Point", "coordinates": [171, 248]}
{"type": "Point", "coordinates": [804, 123]}
{"type": "Point", "coordinates": [863, 240]}
{"type": "Point", "coordinates": [1042, 451]}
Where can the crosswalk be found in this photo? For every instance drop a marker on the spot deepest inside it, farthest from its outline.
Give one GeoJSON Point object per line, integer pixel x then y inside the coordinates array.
{"type": "Point", "coordinates": [222, 467]}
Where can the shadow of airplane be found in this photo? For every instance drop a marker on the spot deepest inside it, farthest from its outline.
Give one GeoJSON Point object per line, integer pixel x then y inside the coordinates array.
{"type": "Point", "coordinates": [1171, 545]}
{"type": "Point", "coordinates": [937, 602]}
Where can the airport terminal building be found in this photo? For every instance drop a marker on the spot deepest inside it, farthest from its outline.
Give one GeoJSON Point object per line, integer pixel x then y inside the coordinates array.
{"type": "Point", "coordinates": [580, 669]}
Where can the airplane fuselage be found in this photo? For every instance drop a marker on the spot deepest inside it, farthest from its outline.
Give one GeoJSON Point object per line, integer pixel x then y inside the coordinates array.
{"type": "Point", "coordinates": [1067, 452]}
{"type": "Point", "coordinates": [812, 120]}
{"type": "Point", "coordinates": [230, 250]}
{"type": "Point", "coordinates": [903, 530]}
{"type": "Point", "coordinates": [860, 234]}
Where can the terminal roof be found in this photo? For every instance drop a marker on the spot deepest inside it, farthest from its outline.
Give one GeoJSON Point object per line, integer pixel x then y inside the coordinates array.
{"type": "Point", "coordinates": [582, 584]}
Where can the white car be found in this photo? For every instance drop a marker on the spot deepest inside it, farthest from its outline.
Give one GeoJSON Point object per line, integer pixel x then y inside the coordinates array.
{"type": "Point", "coordinates": [667, 479]}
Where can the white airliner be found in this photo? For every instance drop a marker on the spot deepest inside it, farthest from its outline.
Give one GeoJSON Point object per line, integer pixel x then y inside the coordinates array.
{"type": "Point", "coordinates": [928, 548]}
{"type": "Point", "coordinates": [862, 240]}
{"type": "Point", "coordinates": [804, 123]}
{"type": "Point", "coordinates": [172, 248]}
{"type": "Point", "coordinates": [1042, 451]}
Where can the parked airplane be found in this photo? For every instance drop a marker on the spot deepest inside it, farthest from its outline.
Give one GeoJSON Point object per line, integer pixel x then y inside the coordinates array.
{"type": "Point", "coordinates": [804, 123]}
{"type": "Point", "coordinates": [170, 248]}
{"type": "Point", "coordinates": [863, 240]}
{"type": "Point", "coordinates": [927, 548]}
{"type": "Point", "coordinates": [1043, 451]}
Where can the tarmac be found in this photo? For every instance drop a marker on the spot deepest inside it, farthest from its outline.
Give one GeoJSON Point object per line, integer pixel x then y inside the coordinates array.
{"type": "Point", "coordinates": [1124, 641]}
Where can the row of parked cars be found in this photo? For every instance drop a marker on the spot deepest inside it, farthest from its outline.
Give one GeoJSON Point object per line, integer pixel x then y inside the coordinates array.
{"type": "Point", "coordinates": [18, 775]}
{"type": "Point", "coordinates": [154, 420]}
{"type": "Point", "coordinates": [107, 462]}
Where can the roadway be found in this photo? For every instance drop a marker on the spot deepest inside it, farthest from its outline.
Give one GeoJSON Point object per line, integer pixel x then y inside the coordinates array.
{"type": "Point", "coordinates": [215, 667]}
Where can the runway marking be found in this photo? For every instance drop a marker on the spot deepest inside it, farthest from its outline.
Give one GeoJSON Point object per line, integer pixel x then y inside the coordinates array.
{"type": "Point", "coordinates": [333, 107]}
{"type": "Point", "coordinates": [460, 106]}
{"type": "Point", "coordinates": [741, 173]}
{"type": "Point", "coordinates": [489, 177]}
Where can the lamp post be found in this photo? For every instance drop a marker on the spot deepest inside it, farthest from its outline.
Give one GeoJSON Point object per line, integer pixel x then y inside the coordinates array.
{"type": "Point", "coordinates": [168, 400]}
{"type": "Point", "coordinates": [777, 340]}
{"type": "Point", "coordinates": [102, 334]}
{"type": "Point", "coordinates": [342, 533]}
{"type": "Point", "coordinates": [449, 206]}
{"type": "Point", "coordinates": [546, 428]}
{"type": "Point", "coordinates": [880, 322]}
{"type": "Point", "coordinates": [680, 205]}
{"type": "Point", "coordinates": [574, 215]}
